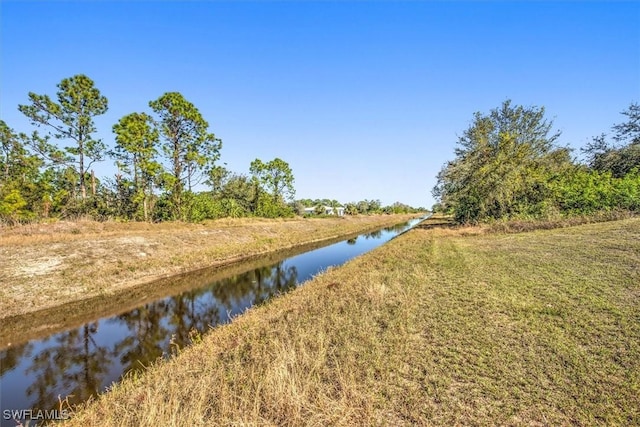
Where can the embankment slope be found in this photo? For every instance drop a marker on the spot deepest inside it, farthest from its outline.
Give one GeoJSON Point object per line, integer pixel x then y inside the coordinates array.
{"type": "Point", "coordinates": [437, 327]}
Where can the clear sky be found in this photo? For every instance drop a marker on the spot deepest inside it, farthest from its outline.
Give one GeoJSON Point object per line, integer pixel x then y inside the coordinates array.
{"type": "Point", "coordinates": [363, 99]}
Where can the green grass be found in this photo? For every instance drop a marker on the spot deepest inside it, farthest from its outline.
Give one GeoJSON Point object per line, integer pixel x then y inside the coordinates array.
{"type": "Point", "coordinates": [438, 327]}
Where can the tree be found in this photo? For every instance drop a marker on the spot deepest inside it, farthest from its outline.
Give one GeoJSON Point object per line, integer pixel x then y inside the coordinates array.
{"type": "Point", "coordinates": [218, 176]}
{"type": "Point", "coordinates": [239, 194]}
{"type": "Point", "coordinates": [504, 164]}
{"type": "Point", "coordinates": [351, 209]}
{"type": "Point", "coordinates": [629, 132]}
{"type": "Point", "coordinates": [186, 142]}
{"type": "Point", "coordinates": [399, 208]}
{"type": "Point", "coordinates": [10, 149]}
{"type": "Point", "coordinates": [437, 208]}
{"type": "Point", "coordinates": [17, 164]}
{"type": "Point", "coordinates": [374, 206]}
{"type": "Point", "coordinates": [70, 118]}
{"type": "Point", "coordinates": [363, 207]}
{"type": "Point", "coordinates": [11, 206]}
{"type": "Point", "coordinates": [275, 176]}
{"type": "Point", "coordinates": [274, 181]}
{"type": "Point", "coordinates": [136, 151]}
{"type": "Point", "coordinates": [19, 176]}
{"type": "Point", "coordinates": [621, 157]}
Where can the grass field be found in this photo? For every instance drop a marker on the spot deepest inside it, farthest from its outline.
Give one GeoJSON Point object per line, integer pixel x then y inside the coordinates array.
{"type": "Point", "coordinates": [437, 327]}
{"type": "Point", "coordinates": [48, 265]}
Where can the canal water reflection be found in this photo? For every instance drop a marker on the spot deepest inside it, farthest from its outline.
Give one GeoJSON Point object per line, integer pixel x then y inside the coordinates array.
{"type": "Point", "coordinates": [79, 363]}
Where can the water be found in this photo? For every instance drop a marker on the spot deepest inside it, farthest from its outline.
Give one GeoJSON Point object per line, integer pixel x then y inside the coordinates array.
{"type": "Point", "coordinates": [80, 362]}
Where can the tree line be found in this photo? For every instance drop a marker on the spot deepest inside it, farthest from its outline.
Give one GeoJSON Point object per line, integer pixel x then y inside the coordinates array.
{"type": "Point", "coordinates": [162, 156]}
{"type": "Point", "coordinates": [509, 164]}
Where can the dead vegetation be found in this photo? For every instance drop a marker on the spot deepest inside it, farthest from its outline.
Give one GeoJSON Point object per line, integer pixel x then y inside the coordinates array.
{"type": "Point", "coordinates": [45, 265]}
{"type": "Point", "coordinates": [437, 327]}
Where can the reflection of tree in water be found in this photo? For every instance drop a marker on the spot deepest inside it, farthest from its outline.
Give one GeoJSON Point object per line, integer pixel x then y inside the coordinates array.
{"type": "Point", "coordinates": [352, 241]}
{"type": "Point", "coordinates": [147, 337]}
{"type": "Point", "coordinates": [397, 228]}
{"type": "Point", "coordinates": [196, 310]}
{"type": "Point", "coordinates": [192, 310]}
{"type": "Point", "coordinates": [279, 281]}
{"type": "Point", "coordinates": [392, 229]}
{"type": "Point", "coordinates": [255, 286]}
{"type": "Point", "coordinates": [373, 235]}
{"type": "Point", "coordinates": [74, 365]}
{"type": "Point", "coordinates": [11, 357]}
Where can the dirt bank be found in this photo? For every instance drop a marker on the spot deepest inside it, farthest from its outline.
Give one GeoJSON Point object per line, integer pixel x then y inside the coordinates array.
{"type": "Point", "coordinates": [48, 265]}
{"type": "Point", "coordinates": [437, 327]}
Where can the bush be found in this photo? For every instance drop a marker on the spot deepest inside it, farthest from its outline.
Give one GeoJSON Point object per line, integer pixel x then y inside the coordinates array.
{"type": "Point", "coordinates": [586, 192]}
{"type": "Point", "coordinates": [11, 207]}
{"type": "Point", "coordinates": [163, 209]}
{"type": "Point", "coordinates": [203, 206]}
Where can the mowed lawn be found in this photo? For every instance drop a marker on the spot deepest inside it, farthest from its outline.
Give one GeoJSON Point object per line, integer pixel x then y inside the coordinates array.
{"type": "Point", "coordinates": [437, 327]}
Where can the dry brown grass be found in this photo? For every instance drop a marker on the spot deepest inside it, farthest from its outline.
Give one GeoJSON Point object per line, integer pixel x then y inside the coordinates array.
{"type": "Point", "coordinates": [538, 328]}
{"type": "Point", "coordinates": [520, 226]}
{"type": "Point", "coordinates": [46, 265]}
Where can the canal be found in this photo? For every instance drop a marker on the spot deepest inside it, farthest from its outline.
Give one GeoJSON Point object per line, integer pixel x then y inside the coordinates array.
{"type": "Point", "coordinates": [81, 361]}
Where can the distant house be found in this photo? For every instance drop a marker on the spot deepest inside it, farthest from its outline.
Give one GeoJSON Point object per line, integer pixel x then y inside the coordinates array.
{"type": "Point", "coordinates": [328, 210]}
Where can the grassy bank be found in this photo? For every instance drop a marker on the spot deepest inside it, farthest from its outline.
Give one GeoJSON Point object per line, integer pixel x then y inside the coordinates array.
{"type": "Point", "coordinates": [46, 265]}
{"type": "Point", "coordinates": [437, 327]}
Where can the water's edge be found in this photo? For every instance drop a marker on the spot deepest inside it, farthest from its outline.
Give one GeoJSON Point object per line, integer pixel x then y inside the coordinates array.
{"type": "Point", "coordinates": [39, 324]}
{"type": "Point", "coordinates": [76, 351]}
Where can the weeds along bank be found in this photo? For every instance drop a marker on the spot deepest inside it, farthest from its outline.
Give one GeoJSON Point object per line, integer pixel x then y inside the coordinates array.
{"type": "Point", "coordinates": [46, 265]}
{"type": "Point", "coordinates": [436, 327]}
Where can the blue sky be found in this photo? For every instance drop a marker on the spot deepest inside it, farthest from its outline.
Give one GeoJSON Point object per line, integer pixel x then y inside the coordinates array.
{"type": "Point", "coordinates": [363, 99]}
